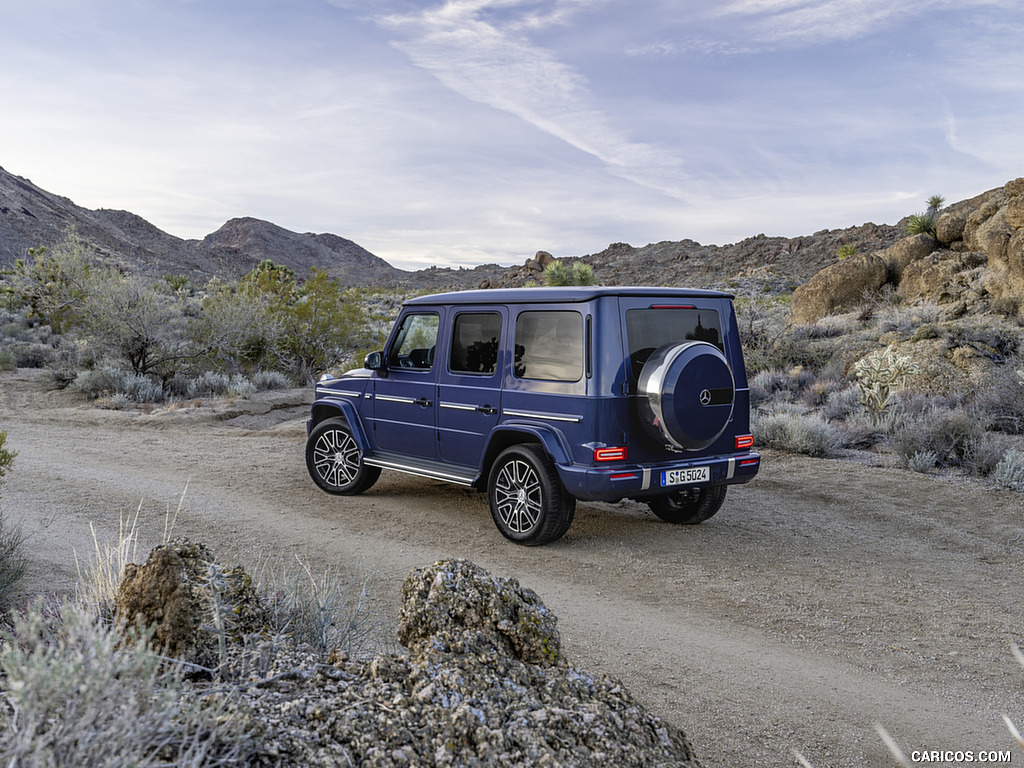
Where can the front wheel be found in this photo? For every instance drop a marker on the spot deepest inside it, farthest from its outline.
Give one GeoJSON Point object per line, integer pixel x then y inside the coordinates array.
{"type": "Point", "coordinates": [334, 460]}
{"type": "Point", "coordinates": [690, 506]}
{"type": "Point", "coordinates": [528, 502]}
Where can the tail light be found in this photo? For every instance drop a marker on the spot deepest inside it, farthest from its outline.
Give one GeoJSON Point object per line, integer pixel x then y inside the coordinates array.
{"type": "Point", "coordinates": [744, 441]}
{"type": "Point", "coordinates": [610, 454]}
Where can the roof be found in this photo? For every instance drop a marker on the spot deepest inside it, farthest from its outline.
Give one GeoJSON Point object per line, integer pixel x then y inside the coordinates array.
{"type": "Point", "coordinates": [562, 294]}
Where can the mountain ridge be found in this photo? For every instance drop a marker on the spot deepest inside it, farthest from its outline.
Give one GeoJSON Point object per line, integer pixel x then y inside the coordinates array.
{"type": "Point", "coordinates": [31, 217]}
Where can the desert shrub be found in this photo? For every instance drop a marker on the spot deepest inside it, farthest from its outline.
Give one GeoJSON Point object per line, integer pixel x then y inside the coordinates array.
{"type": "Point", "coordinates": [240, 386]}
{"type": "Point", "coordinates": [922, 461]}
{"type": "Point", "coordinates": [983, 454]}
{"type": "Point", "coordinates": [209, 384]}
{"type": "Point", "coordinates": [769, 385]}
{"type": "Point", "coordinates": [818, 392]}
{"type": "Point", "coordinates": [108, 381]}
{"type": "Point", "coordinates": [133, 322]}
{"type": "Point", "coordinates": [8, 362]}
{"type": "Point", "coordinates": [560, 273]}
{"type": "Point", "coordinates": [879, 375]}
{"type": "Point", "coordinates": [81, 695]}
{"type": "Point", "coordinates": [999, 400]}
{"type": "Point", "coordinates": [264, 380]}
{"type": "Point", "coordinates": [54, 282]}
{"type": "Point", "coordinates": [797, 433]}
{"type": "Point", "coordinates": [324, 610]}
{"type": "Point", "coordinates": [952, 435]}
{"type": "Point", "coordinates": [12, 556]}
{"type": "Point", "coordinates": [140, 389]}
{"type": "Point", "coordinates": [33, 355]}
{"type": "Point", "coordinates": [97, 382]}
{"type": "Point", "coordinates": [1009, 471]}
{"type": "Point", "coordinates": [762, 322]}
{"type": "Point", "coordinates": [236, 331]}
{"type": "Point", "coordinates": [782, 386]}
{"type": "Point", "coordinates": [920, 223]}
{"type": "Point", "coordinates": [322, 323]}
{"type": "Point", "coordinates": [842, 404]}
{"type": "Point", "coordinates": [992, 340]}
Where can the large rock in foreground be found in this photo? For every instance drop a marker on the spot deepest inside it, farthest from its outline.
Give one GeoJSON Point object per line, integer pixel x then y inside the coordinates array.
{"type": "Point", "coordinates": [190, 603]}
{"type": "Point", "coordinates": [485, 684]}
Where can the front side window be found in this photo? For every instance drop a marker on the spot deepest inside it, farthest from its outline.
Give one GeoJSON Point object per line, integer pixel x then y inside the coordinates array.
{"type": "Point", "coordinates": [549, 346]}
{"type": "Point", "coordinates": [648, 329]}
{"type": "Point", "coordinates": [413, 347]}
{"type": "Point", "coordinates": [475, 342]}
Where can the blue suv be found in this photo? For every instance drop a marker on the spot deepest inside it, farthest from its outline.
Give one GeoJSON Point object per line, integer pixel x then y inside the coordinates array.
{"type": "Point", "coordinates": [542, 396]}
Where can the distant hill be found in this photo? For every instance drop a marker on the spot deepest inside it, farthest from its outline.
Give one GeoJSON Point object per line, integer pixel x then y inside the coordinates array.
{"type": "Point", "coordinates": [32, 217]}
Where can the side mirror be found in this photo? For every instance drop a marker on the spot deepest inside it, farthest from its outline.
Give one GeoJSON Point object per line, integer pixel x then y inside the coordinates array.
{"type": "Point", "coordinates": [375, 362]}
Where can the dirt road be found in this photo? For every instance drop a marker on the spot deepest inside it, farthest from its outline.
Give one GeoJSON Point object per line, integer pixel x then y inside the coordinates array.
{"type": "Point", "coordinates": [824, 598]}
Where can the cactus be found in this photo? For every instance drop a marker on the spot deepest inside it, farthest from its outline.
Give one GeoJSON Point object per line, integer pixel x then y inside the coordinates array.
{"type": "Point", "coordinates": [879, 375]}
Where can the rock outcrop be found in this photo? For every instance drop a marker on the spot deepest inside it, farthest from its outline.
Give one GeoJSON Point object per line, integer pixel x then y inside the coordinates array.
{"type": "Point", "coordinates": [838, 286]}
{"type": "Point", "coordinates": [976, 257]}
{"type": "Point", "coordinates": [484, 683]}
{"type": "Point", "coordinates": [190, 603]}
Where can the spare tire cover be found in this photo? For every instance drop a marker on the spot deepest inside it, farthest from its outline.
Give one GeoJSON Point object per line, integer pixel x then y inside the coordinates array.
{"type": "Point", "coordinates": [685, 394]}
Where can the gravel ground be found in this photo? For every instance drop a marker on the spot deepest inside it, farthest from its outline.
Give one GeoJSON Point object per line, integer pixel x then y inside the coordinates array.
{"type": "Point", "coordinates": [825, 598]}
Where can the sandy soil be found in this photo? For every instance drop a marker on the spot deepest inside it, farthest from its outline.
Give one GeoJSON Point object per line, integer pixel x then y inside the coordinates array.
{"type": "Point", "coordinates": [826, 597]}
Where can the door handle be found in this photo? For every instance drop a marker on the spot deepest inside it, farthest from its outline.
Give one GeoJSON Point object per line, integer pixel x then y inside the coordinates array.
{"type": "Point", "coordinates": [487, 410]}
{"type": "Point", "coordinates": [423, 402]}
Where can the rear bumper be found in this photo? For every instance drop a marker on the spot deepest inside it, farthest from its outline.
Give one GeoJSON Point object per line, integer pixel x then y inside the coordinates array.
{"type": "Point", "coordinates": [637, 481]}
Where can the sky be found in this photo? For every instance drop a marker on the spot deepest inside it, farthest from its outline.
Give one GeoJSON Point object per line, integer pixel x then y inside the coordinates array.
{"type": "Point", "coordinates": [462, 132]}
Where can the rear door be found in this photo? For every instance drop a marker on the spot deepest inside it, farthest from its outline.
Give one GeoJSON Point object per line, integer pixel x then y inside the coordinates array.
{"type": "Point", "coordinates": [469, 383]}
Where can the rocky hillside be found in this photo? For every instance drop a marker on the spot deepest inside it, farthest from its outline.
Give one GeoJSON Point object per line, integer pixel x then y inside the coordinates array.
{"type": "Point", "coordinates": [30, 217]}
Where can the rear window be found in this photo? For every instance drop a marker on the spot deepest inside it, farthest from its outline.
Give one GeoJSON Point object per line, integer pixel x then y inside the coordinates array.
{"type": "Point", "coordinates": [549, 346]}
{"type": "Point", "coordinates": [648, 329]}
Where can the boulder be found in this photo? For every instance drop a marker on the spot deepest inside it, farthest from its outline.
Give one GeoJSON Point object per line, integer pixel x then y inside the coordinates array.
{"type": "Point", "coordinates": [949, 227]}
{"type": "Point", "coordinates": [485, 684]}
{"type": "Point", "coordinates": [838, 286]}
{"type": "Point", "coordinates": [942, 277]}
{"type": "Point", "coordinates": [458, 605]}
{"type": "Point", "coordinates": [189, 602]}
{"type": "Point", "coordinates": [907, 251]}
{"type": "Point", "coordinates": [1015, 212]}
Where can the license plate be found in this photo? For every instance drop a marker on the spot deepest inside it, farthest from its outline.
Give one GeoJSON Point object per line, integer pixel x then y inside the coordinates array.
{"type": "Point", "coordinates": [686, 476]}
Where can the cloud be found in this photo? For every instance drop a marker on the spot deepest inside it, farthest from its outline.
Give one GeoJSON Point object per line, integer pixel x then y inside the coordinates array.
{"type": "Point", "coordinates": [481, 49]}
{"type": "Point", "coordinates": [816, 22]}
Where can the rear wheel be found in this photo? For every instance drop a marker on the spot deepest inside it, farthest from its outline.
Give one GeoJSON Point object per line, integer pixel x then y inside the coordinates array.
{"type": "Point", "coordinates": [690, 506]}
{"type": "Point", "coordinates": [528, 502]}
{"type": "Point", "coordinates": [334, 460]}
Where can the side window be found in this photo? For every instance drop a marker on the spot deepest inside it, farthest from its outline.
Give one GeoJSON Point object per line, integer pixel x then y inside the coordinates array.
{"type": "Point", "coordinates": [475, 338]}
{"type": "Point", "coordinates": [413, 347]}
{"type": "Point", "coordinates": [549, 346]}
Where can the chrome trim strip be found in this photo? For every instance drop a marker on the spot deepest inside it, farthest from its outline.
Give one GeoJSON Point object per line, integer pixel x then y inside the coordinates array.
{"type": "Point", "coordinates": [342, 393]}
{"type": "Point", "coordinates": [458, 406]}
{"type": "Point", "coordinates": [421, 472]}
{"type": "Point", "coordinates": [539, 415]}
{"type": "Point", "coordinates": [646, 484]}
{"type": "Point", "coordinates": [392, 399]}
{"type": "Point", "coordinates": [732, 470]}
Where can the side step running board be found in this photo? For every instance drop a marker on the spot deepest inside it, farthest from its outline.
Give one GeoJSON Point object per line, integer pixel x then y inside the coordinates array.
{"type": "Point", "coordinates": [443, 472]}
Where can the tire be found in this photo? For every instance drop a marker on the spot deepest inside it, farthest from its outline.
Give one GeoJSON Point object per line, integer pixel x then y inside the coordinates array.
{"type": "Point", "coordinates": [688, 507]}
{"type": "Point", "coordinates": [529, 504]}
{"type": "Point", "coordinates": [686, 394]}
{"type": "Point", "coordinates": [334, 460]}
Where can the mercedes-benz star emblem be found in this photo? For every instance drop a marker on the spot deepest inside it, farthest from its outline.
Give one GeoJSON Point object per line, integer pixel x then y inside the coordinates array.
{"type": "Point", "coordinates": [705, 397]}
